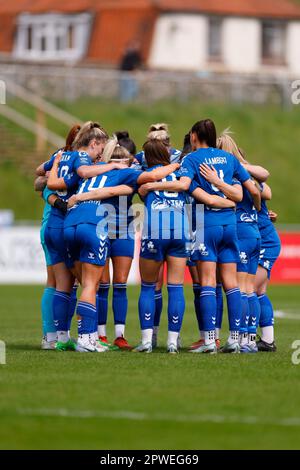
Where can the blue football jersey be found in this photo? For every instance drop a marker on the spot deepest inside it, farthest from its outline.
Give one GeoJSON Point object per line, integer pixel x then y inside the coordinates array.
{"type": "Point", "coordinates": [270, 241]}
{"type": "Point", "coordinates": [165, 211]}
{"type": "Point", "coordinates": [48, 165]}
{"type": "Point", "coordinates": [227, 166]}
{"type": "Point", "coordinates": [67, 169]}
{"type": "Point", "coordinates": [142, 164]}
{"type": "Point", "coordinates": [91, 212]}
{"type": "Point", "coordinates": [263, 216]}
{"type": "Point", "coordinates": [246, 215]}
{"type": "Point", "coordinates": [266, 227]}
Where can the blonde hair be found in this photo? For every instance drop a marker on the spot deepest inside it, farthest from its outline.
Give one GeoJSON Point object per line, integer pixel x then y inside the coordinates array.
{"type": "Point", "coordinates": [113, 151]}
{"type": "Point", "coordinates": [159, 132]}
{"type": "Point", "coordinates": [227, 143]}
{"type": "Point", "coordinates": [88, 132]}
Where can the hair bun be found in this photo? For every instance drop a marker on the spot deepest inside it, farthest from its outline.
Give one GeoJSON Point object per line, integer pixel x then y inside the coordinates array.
{"type": "Point", "coordinates": [122, 135]}
{"type": "Point", "coordinates": [161, 126]}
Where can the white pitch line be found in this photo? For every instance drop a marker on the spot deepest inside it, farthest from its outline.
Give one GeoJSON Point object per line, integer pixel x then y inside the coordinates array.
{"type": "Point", "coordinates": [136, 416]}
{"type": "Point", "coordinates": [286, 316]}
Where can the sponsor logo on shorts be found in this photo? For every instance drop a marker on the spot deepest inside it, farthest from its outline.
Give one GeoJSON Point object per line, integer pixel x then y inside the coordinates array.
{"type": "Point", "coordinates": [203, 250]}
{"type": "Point", "coordinates": [151, 247]}
{"type": "Point", "coordinates": [243, 257]}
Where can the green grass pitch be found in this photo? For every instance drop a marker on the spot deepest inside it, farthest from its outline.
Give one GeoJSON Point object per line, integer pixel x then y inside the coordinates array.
{"type": "Point", "coordinates": [120, 400]}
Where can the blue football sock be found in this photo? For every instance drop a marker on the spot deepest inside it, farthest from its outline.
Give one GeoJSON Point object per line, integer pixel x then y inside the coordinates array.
{"type": "Point", "coordinates": [47, 311]}
{"type": "Point", "coordinates": [61, 303]}
{"type": "Point", "coordinates": [254, 313]}
{"type": "Point", "coordinates": [102, 304]}
{"type": "Point", "coordinates": [158, 307]}
{"type": "Point", "coordinates": [208, 308]}
{"type": "Point", "coordinates": [234, 307]}
{"type": "Point", "coordinates": [266, 311]}
{"type": "Point", "coordinates": [245, 314]}
{"type": "Point", "coordinates": [120, 303]}
{"type": "Point", "coordinates": [72, 306]}
{"type": "Point", "coordinates": [219, 293]}
{"type": "Point", "coordinates": [176, 307]}
{"type": "Point", "coordinates": [88, 314]}
{"type": "Point", "coordinates": [197, 292]}
{"type": "Point", "coordinates": [147, 305]}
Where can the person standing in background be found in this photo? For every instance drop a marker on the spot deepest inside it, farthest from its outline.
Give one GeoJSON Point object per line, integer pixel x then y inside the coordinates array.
{"type": "Point", "coordinates": [130, 62]}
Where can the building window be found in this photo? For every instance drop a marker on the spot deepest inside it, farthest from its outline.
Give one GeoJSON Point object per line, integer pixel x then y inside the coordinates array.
{"type": "Point", "coordinates": [43, 44]}
{"type": "Point", "coordinates": [215, 39]}
{"type": "Point", "coordinates": [52, 36]}
{"type": "Point", "coordinates": [273, 42]}
{"type": "Point", "coordinates": [29, 38]}
{"type": "Point", "coordinates": [71, 37]}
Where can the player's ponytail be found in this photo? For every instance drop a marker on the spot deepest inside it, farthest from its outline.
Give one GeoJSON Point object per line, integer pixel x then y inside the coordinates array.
{"type": "Point", "coordinates": [88, 132]}
{"type": "Point", "coordinates": [159, 132]}
{"type": "Point", "coordinates": [227, 143]}
{"type": "Point", "coordinates": [114, 152]}
{"type": "Point", "coordinates": [71, 137]}
{"type": "Point", "coordinates": [206, 132]}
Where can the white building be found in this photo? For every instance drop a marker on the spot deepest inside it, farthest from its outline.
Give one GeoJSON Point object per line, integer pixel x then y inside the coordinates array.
{"type": "Point", "coordinates": [228, 36]}
{"type": "Point", "coordinates": [235, 36]}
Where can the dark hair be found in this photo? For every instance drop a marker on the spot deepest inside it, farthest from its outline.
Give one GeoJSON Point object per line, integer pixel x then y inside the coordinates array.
{"type": "Point", "coordinates": [156, 153]}
{"type": "Point", "coordinates": [125, 141]}
{"type": "Point", "coordinates": [71, 137]}
{"type": "Point", "coordinates": [206, 132]}
{"type": "Point", "coordinates": [187, 148]}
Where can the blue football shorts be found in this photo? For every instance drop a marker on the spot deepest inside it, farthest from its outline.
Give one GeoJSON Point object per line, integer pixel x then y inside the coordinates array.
{"type": "Point", "coordinates": [220, 245]}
